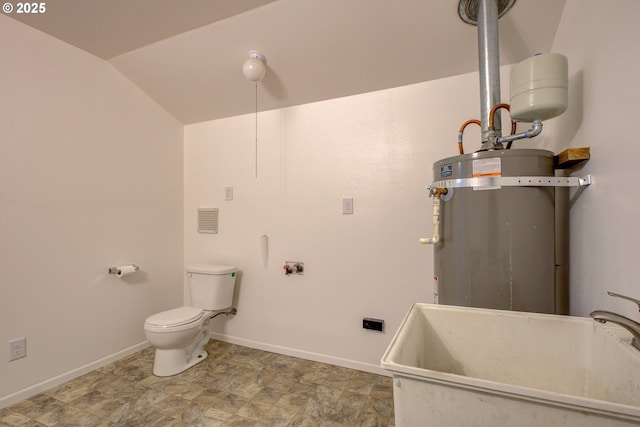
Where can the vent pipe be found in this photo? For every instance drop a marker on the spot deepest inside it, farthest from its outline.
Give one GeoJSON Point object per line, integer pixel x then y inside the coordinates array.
{"type": "Point", "coordinates": [485, 14]}
{"type": "Point", "coordinates": [489, 60]}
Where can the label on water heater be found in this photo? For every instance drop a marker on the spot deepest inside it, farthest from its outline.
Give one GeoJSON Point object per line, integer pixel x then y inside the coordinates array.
{"type": "Point", "coordinates": [487, 167]}
{"type": "Point", "coordinates": [446, 170]}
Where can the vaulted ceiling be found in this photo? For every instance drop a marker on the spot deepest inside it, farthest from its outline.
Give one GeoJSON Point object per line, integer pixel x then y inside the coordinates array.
{"type": "Point", "coordinates": [187, 55]}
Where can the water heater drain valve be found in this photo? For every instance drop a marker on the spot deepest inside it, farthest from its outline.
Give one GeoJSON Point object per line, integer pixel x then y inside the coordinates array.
{"type": "Point", "coordinates": [436, 192]}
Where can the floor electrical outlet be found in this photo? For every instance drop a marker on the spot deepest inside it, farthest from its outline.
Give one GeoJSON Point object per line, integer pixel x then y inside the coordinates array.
{"type": "Point", "coordinates": [17, 349]}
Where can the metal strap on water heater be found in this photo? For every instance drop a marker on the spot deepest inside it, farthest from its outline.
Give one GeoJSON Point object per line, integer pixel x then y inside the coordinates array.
{"type": "Point", "coordinates": [514, 181]}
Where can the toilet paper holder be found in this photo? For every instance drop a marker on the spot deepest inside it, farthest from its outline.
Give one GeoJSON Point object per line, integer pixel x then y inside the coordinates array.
{"type": "Point", "coordinates": [116, 270]}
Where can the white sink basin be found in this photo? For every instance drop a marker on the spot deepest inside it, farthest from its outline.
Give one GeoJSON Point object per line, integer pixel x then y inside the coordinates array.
{"type": "Point", "coordinates": [460, 366]}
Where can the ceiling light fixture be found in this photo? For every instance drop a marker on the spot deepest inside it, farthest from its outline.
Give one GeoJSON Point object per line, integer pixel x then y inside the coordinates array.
{"type": "Point", "coordinates": [255, 67]}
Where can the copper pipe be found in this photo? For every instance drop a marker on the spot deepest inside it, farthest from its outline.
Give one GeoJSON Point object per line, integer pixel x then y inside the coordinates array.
{"type": "Point", "coordinates": [491, 119]}
{"type": "Point", "coordinates": [492, 113]}
{"type": "Point", "coordinates": [461, 131]}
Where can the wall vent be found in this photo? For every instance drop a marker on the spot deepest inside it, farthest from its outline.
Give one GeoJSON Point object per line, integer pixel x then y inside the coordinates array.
{"type": "Point", "coordinates": [208, 220]}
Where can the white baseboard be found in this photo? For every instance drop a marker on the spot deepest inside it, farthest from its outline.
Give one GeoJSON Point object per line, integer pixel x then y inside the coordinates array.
{"type": "Point", "coordinates": [316, 357]}
{"type": "Point", "coordinates": [68, 376]}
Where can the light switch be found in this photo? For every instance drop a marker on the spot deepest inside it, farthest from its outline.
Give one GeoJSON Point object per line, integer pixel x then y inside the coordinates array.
{"type": "Point", "coordinates": [347, 206]}
{"type": "Point", "coordinates": [228, 193]}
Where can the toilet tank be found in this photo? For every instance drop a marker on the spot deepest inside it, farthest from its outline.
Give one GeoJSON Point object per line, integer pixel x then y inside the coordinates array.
{"type": "Point", "coordinates": [211, 286]}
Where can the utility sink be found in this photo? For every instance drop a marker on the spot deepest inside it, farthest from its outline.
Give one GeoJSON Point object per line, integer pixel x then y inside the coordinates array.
{"type": "Point", "coordinates": [461, 366]}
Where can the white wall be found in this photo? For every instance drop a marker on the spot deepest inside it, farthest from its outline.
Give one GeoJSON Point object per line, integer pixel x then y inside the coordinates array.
{"type": "Point", "coordinates": [600, 39]}
{"type": "Point", "coordinates": [377, 148]}
{"type": "Point", "coordinates": [90, 177]}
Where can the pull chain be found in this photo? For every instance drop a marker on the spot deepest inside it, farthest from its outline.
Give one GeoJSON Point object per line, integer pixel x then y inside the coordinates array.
{"type": "Point", "coordinates": [256, 147]}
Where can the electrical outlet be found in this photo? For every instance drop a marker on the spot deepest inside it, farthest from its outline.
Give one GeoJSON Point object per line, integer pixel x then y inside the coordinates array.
{"type": "Point", "coordinates": [373, 324]}
{"type": "Point", "coordinates": [17, 349]}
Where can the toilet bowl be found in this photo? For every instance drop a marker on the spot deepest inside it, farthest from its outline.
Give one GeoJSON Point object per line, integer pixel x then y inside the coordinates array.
{"type": "Point", "coordinates": [180, 334]}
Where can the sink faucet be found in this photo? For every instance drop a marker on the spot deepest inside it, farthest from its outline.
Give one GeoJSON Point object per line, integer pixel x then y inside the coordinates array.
{"type": "Point", "coordinates": [633, 327]}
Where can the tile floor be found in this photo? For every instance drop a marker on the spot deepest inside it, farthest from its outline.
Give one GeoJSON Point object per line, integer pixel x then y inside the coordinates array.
{"type": "Point", "coordinates": [234, 386]}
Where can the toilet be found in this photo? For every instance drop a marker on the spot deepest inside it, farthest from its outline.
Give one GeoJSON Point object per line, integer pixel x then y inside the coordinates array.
{"type": "Point", "coordinates": [179, 335]}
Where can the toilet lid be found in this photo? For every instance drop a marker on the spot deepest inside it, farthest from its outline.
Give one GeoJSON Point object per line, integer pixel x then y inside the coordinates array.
{"type": "Point", "coordinates": [176, 317]}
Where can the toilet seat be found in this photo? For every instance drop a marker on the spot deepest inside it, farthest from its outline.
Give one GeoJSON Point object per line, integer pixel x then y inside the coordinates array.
{"type": "Point", "coordinates": [177, 319]}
